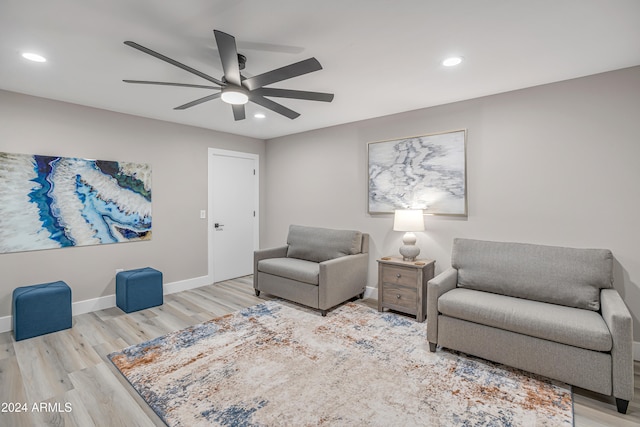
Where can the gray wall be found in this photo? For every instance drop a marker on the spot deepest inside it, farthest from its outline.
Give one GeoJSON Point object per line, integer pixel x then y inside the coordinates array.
{"type": "Point", "coordinates": [178, 155]}
{"type": "Point", "coordinates": [556, 164]}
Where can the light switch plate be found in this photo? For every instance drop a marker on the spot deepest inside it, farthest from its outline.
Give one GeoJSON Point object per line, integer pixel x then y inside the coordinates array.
{"type": "Point", "coordinates": [203, 214]}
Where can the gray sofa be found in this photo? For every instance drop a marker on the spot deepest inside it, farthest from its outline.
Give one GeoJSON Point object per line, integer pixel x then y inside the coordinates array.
{"type": "Point", "coordinates": [544, 309]}
{"type": "Point", "coordinates": [318, 267]}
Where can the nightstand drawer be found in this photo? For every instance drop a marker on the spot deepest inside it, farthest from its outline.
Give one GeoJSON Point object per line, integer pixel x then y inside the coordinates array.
{"type": "Point", "coordinates": [399, 276]}
{"type": "Point", "coordinates": [400, 296]}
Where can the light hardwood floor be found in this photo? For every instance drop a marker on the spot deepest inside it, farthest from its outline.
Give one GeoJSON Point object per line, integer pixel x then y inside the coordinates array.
{"type": "Point", "coordinates": [69, 370]}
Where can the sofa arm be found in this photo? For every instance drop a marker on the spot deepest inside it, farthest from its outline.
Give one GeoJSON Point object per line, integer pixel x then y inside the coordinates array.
{"type": "Point", "coordinates": [617, 317]}
{"type": "Point", "coordinates": [342, 278]}
{"type": "Point", "coordinates": [443, 282]}
{"type": "Point", "coordinates": [260, 254]}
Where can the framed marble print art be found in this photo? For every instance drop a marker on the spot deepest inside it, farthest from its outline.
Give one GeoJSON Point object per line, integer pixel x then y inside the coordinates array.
{"type": "Point", "coordinates": [425, 172]}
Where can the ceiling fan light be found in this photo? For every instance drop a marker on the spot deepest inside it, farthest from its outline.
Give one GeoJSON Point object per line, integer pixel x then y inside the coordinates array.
{"type": "Point", "coordinates": [234, 95]}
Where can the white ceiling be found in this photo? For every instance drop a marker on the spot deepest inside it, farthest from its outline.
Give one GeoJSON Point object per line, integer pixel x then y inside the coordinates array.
{"type": "Point", "coordinates": [379, 56]}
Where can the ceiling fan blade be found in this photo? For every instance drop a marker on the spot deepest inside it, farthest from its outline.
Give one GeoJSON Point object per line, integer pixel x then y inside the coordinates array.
{"type": "Point", "coordinates": [294, 94]}
{"type": "Point", "coordinates": [273, 106]}
{"type": "Point", "coordinates": [229, 57]}
{"type": "Point", "coordinates": [293, 70]}
{"type": "Point", "coordinates": [238, 111]}
{"type": "Point", "coordinates": [198, 101]}
{"type": "Point", "coordinates": [173, 62]}
{"type": "Point", "coordinates": [145, 82]}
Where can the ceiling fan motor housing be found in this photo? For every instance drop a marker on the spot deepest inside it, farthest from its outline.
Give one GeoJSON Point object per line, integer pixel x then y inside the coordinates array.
{"type": "Point", "coordinates": [242, 61]}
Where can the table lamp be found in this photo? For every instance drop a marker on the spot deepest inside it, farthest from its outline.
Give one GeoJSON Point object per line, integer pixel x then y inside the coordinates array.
{"type": "Point", "coordinates": [409, 220]}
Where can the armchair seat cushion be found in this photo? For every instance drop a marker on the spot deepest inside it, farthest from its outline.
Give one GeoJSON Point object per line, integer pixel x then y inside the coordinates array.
{"type": "Point", "coordinates": [567, 325]}
{"type": "Point", "coordinates": [291, 268]}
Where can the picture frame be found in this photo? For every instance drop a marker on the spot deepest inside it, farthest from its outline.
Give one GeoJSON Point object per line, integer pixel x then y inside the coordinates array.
{"type": "Point", "coordinates": [425, 172]}
{"type": "Point", "coordinates": [50, 202]}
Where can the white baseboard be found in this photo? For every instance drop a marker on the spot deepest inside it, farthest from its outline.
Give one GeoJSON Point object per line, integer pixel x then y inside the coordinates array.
{"type": "Point", "coordinates": [185, 285]}
{"type": "Point", "coordinates": [371, 292]}
{"type": "Point", "coordinates": [101, 303]}
{"type": "Point", "coordinates": [6, 324]}
{"type": "Point", "coordinates": [94, 304]}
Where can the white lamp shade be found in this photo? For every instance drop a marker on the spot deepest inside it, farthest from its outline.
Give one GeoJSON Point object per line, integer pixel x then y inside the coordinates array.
{"type": "Point", "coordinates": [408, 220]}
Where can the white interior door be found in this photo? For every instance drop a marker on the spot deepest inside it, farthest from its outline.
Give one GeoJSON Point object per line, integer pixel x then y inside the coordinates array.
{"type": "Point", "coordinates": [233, 213]}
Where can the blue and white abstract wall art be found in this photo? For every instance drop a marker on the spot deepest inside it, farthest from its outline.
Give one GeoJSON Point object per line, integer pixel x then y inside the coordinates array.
{"type": "Point", "coordinates": [53, 202]}
{"type": "Point", "coordinates": [423, 172]}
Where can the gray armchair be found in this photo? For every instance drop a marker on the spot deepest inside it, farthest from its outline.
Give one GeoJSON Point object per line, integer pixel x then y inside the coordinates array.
{"type": "Point", "coordinates": [318, 267]}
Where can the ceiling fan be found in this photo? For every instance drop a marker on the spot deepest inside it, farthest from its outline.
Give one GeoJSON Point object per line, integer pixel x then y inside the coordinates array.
{"type": "Point", "coordinates": [234, 88]}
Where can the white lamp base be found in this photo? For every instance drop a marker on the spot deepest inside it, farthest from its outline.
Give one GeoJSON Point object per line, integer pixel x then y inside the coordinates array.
{"type": "Point", "coordinates": [409, 250]}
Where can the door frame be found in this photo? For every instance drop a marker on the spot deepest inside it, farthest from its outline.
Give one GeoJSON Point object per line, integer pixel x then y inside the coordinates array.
{"type": "Point", "coordinates": [210, 230]}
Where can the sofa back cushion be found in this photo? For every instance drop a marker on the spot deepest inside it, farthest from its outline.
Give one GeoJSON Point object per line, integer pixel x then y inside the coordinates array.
{"type": "Point", "coordinates": [558, 275]}
{"type": "Point", "coordinates": [322, 244]}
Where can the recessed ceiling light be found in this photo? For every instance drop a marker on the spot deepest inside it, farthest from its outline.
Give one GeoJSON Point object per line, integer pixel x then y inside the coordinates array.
{"type": "Point", "coordinates": [259, 115]}
{"type": "Point", "coordinates": [34, 57]}
{"type": "Point", "coordinates": [452, 61]}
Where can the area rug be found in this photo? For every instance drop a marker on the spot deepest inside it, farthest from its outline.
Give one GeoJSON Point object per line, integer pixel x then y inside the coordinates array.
{"type": "Point", "coordinates": [277, 364]}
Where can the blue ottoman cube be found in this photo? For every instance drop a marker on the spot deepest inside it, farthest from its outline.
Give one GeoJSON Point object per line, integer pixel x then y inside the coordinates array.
{"type": "Point", "coordinates": [138, 289]}
{"type": "Point", "coordinates": [41, 309]}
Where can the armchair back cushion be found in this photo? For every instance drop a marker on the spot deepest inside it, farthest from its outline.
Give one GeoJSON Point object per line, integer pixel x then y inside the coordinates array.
{"type": "Point", "coordinates": [557, 275]}
{"type": "Point", "coordinates": [322, 244]}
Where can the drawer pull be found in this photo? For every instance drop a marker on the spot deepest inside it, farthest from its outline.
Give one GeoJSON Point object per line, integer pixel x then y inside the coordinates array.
{"type": "Point", "coordinates": [398, 296]}
{"type": "Point", "coordinates": [398, 275]}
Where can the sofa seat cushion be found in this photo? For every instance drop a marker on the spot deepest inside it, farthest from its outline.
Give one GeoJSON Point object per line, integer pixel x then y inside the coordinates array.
{"type": "Point", "coordinates": [291, 268]}
{"type": "Point", "coordinates": [322, 244]}
{"type": "Point", "coordinates": [566, 325]}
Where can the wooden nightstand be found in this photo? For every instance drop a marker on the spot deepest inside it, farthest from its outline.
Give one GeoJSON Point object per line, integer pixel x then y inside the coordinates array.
{"type": "Point", "coordinates": [402, 285]}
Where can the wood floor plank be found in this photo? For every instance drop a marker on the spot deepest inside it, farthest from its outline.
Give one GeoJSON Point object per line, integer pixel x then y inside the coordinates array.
{"type": "Point", "coordinates": [12, 392]}
{"type": "Point", "coordinates": [71, 349]}
{"type": "Point", "coordinates": [170, 323]}
{"type": "Point", "coordinates": [109, 313]}
{"type": "Point", "coordinates": [94, 329]}
{"type": "Point", "coordinates": [106, 399]}
{"type": "Point", "coordinates": [6, 346]}
{"type": "Point", "coordinates": [137, 326]}
{"type": "Point", "coordinates": [171, 316]}
{"type": "Point", "coordinates": [79, 416]}
{"type": "Point", "coordinates": [147, 322]}
{"type": "Point", "coordinates": [207, 305]}
{"type": "Point", "coordinates": [43, 372]}
{"type": "Point", "coordinates": [179, 302]}
{"type": "Point", "coordinates": [107, 348]}
{"type": "Point", "coordinates": [71, 367]}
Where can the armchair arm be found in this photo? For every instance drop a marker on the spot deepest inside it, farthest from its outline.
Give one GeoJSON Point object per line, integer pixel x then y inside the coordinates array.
{"type": "Point", "coordinates": [617, 317]}
{"type": "Point", "coordinates": [443, 282]}
{"type": "Point", "coordinates": [342, 278]}
{"type": "Point", "coordinates": [278, 252]}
